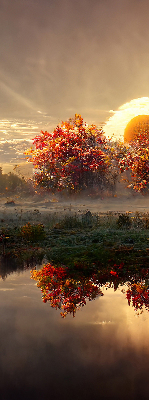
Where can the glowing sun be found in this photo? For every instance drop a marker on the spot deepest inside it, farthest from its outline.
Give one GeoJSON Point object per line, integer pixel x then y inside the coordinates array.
{"type": "Point", "coordinates": [122, 124]}
{"type": "Point", "coordinates": [136, 125]}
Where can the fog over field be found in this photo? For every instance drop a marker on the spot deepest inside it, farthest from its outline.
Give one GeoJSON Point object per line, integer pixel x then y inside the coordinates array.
{"type": "Point", "coordinates": [40, 209]}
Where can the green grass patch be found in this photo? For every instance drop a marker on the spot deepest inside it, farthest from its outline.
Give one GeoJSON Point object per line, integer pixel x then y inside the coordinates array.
{"type": "Point", "coordinates": [89, 239]}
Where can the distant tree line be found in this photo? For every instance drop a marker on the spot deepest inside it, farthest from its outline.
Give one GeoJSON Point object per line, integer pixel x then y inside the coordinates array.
{"type": "Point", "coordinates": [12, 184]}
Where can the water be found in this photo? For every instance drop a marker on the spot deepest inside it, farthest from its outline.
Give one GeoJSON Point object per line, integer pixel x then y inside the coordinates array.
{"type": "Point", "coordinates": [101, 353]}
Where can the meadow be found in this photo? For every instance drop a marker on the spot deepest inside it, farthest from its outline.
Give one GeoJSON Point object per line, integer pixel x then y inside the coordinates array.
{"type": "Point", "coordinates": [78, 233]}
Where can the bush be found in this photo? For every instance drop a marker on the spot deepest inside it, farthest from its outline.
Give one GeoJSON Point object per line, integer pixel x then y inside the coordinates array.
{"type": "Point", "coordinates": [32, 233]}
{"type": "Point", "coordinates": [124, 221]}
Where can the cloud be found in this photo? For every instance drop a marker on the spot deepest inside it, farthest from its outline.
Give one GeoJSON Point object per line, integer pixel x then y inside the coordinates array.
{"type": "Point", "coordinates": [118, 121]}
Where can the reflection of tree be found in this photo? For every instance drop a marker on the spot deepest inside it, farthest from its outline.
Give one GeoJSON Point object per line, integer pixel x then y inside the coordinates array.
{"type": "Point", "coordinates": [137, 283]}
{"type": "Point", "coordinates": [9, 266]}
{"type": "Point", "coordinates": [68, 292]}
{"type": "Point", "coordinates": [64, 292]}
{"type": "Point", "coordinates": [138, 296]}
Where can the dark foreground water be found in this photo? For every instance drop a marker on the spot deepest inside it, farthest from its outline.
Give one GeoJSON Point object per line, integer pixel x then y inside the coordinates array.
{"type": "Point", "coordinates": [102, 353]}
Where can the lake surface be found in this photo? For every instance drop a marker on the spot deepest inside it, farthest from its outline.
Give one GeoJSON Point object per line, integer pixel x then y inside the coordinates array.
{"type": "Point", "coordinates": [101, 353]}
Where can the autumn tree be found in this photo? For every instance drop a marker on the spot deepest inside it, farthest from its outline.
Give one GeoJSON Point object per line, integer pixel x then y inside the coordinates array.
{"type": "Point", "coordinates": [74, 156]}
{"type": "Point", "coordinates": [10, 182]}
{"type": "Point", "coordinates": [136, 161]}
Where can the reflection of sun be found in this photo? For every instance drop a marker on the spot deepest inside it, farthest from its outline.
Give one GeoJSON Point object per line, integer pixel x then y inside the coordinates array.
{"type": "Point", "coordinates": [117, 123]}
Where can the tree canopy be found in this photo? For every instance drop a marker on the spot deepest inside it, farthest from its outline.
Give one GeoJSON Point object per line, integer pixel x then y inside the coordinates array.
{"type": "Point", "coordinates": [74, 156]}
{"type": "Point", "coordinates": [136, 160]}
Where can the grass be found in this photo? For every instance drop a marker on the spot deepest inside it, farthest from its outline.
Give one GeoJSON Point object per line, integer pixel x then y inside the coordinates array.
{"type": "Point", "coordinates": [91, 240]}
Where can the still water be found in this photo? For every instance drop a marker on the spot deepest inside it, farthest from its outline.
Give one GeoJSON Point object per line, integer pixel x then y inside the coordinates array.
{"type": "Point", "coordinates": [101, 353]}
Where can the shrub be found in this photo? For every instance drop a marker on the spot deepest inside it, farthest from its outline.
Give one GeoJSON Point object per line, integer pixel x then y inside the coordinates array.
{"type": "Point", "coordinates": [32, 233]}
{"type": "Point", "coordinates": [124, 221]}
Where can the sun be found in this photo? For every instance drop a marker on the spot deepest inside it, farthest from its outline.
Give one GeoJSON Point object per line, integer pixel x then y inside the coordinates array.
{"type": "Point", "coordinates": [116, 125]}
{"type": "Point", "coordinates": [139, 124]}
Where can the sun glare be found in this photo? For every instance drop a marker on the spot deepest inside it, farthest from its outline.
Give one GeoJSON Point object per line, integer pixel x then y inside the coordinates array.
{"type": "Point", "coordinates": [116, 124]}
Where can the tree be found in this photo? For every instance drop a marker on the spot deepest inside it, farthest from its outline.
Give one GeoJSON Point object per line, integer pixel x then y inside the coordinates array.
{"type": "Point", "coordinates": [73, 157]}
{"type": "Point", "coordinates": [11, 184]}
{"type": "Point", "coordinates": [136, 160]}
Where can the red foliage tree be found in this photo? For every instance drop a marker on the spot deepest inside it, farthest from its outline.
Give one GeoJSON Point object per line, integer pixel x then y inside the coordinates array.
{"type": "Point", "coordinates": [75, 156]}
{"type": "Point", "coordinates": [136, 160]}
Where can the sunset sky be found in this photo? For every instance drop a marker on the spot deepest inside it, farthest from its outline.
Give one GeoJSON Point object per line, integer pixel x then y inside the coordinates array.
{"type": "Point", "coordinates": [61, 57]}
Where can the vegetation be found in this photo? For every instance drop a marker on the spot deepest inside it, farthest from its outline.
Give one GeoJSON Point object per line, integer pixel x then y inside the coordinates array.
{"type": "Point", "coordinates": [94, 240]}
{"type": "Point", "coordinates": [78, 157]}
{"type": "Point", "coordinates": [88, 250]}
{"type": "Point", "coordinates": [12, 184]}
{"type": "Point", "coordinates": [84, 253]}
{"type": "Point", "coordinates": [32, 233]}
{"type": "Point", "coordinates": [136, 160]}
{"type": "Point", "coordinates": [74, 157]}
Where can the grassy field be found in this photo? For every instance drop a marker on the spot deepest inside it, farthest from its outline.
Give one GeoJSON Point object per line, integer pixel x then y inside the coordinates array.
{"type": "Point", "coordinates": [88, 240]}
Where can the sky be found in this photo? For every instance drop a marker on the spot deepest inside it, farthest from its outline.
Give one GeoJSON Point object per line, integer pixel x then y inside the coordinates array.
{"type": "Point", "coordinates": [61, 57]}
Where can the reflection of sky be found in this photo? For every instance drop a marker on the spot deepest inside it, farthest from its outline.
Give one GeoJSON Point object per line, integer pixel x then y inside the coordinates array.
{"type": "Point", "coordinates": [103, 350]}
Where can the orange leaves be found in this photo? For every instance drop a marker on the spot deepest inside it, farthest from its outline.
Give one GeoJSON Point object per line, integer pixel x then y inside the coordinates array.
{"type": "Point", "coordinates": [62, 291]}
{"type": "Point", "coordinates": [137, 161]}
{"type": "Point", "coordinates": [76, 156]}
{"type": "Point", "coordinates": [32, 232]}
{"type": "Point", "coordinates": [138, 293]}
{"type": "Point", "coordinates": [68, 291]}
{"type": "Point", "coordinates": [70, 157]}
